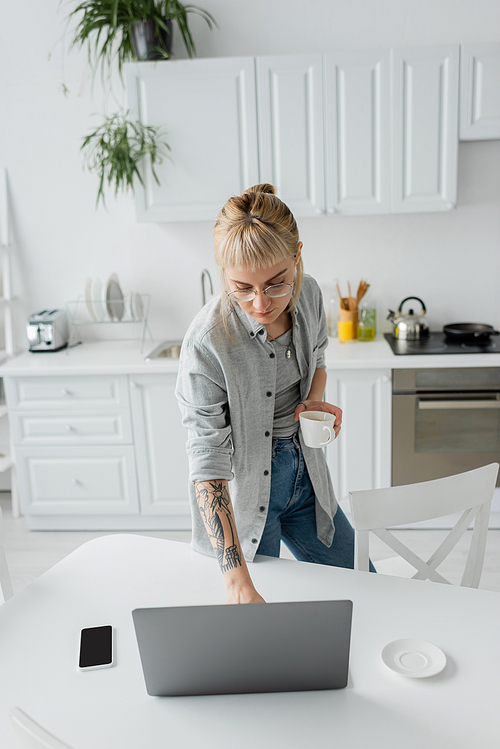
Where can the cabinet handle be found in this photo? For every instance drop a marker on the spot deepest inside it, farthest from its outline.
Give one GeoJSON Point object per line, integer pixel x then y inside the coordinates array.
{"type": "Point", "coordinates": [319, 211]}
{"type": "Point", "coordinates": [450, 206]}
{"type": "Point", "coordinates": [133, 385]}
{"type": "Point", "coordinates": [65, 392]}
{"type": "Point", "coordinates": [332, 210]}
{"type": "Point", "coordinates": [69, 428]}
{"type": "Point", "coordinates": [75, 482]}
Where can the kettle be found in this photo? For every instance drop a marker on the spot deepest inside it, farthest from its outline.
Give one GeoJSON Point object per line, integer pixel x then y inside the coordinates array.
{"type": "Point", "coordinates": [409, 327]}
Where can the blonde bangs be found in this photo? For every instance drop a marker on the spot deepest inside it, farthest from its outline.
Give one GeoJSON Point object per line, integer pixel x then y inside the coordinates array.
{"type": "Point", "coordinates": [252, 249]}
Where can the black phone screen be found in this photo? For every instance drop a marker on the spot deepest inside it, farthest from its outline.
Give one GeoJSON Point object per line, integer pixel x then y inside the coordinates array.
{"type": "Point", "coordinates": [96, 648]}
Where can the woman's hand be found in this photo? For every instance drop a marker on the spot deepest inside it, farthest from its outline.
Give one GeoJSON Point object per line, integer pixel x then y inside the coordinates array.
{"type": "Point", "coordinates": [312, 405]}
{"type": "Point", "coordinates": [243, 594]}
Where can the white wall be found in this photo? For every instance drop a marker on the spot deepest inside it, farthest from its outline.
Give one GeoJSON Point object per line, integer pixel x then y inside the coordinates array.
{"type": "Point", "coordinates": [451, 260]}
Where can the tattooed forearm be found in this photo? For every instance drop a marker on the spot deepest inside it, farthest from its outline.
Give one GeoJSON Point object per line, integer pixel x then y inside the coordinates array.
{"type": "Point", "coordinates": [215, 507]}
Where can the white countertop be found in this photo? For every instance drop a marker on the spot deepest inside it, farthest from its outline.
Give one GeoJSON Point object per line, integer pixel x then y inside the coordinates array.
{"type": "Point", "coordinates": [123, 357]}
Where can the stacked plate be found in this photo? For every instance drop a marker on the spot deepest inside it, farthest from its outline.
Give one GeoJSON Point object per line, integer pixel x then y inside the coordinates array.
{"type": "Point", "coordinates": [105, 302]}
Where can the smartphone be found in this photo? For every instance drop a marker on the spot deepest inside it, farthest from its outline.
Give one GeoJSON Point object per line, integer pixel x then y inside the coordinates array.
{"type": "Point", "coordinates": [96, 648]}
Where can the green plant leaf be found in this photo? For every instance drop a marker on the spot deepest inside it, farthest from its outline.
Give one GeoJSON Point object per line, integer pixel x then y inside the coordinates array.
{"type": "Point", "coordinates": [104, 26]}
{"type": "Point", "coordinates": [115, 149]}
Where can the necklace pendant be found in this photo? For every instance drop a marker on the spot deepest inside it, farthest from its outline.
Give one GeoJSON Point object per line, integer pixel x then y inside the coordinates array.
{"type": "Point", "coordinates": [288, 354]}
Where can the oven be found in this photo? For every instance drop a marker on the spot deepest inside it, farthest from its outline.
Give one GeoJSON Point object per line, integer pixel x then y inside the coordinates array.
{"type": "Point", "coordinates": [444, 421]}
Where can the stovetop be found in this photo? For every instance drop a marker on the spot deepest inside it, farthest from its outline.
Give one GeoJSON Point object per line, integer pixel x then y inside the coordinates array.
{"type": "Point", "coordinates": [438, 343]}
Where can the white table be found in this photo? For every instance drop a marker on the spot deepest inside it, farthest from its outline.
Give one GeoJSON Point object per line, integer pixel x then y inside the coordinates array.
{"type": "Point", "coordinates": [103, 580]}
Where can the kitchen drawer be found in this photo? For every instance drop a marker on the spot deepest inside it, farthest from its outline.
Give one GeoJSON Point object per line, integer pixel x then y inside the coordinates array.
{"type": "Point", "coordinates": [68, 393]}
{"type": "Point", "coordinates": [73, 428]}
{"type": "Point", "coordinates": [77, 481]}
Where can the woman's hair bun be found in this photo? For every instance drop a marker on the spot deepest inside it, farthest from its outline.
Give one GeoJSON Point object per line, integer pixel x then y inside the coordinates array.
{"type": "Point", "coordinates": [264, 187]}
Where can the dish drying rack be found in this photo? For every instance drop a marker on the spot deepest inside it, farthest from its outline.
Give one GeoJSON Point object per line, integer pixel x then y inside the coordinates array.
{"type": "Point", "coordinates": [128, 327]}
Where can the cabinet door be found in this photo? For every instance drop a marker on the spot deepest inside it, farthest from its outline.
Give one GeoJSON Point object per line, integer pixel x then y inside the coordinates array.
{"type": "Point", "coordinates": [208, 113]}
{"type": "Point", "coordinates": [67, 393]}
{"type": "Point", "coordinates": [479, 91]}
{"type": "Point", "coordinates": [360, 458]}
{"type": "Point", "coordinates": [357, 117]}
{"type": "Point", "coordinates": [160, 446]}
{"type": "Point", "coordinates": [290, 117]}
{"type": "Point", "coordinates": [425, 129]}
{"type": "Point", "coordinates": [77, 480]}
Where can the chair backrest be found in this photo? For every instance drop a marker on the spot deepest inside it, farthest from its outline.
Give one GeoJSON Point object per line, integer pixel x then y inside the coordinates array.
{"type": "Point", "coordinates": [470, 493]}
{"type": "Point", "coordinates": [5, 583]}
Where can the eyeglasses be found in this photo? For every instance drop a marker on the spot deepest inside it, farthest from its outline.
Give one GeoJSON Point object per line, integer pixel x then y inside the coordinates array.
{"type": "Point", "coordinates": [247, 295]}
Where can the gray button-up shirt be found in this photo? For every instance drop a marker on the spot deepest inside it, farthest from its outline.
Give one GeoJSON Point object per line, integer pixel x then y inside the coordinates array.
{"type": "Point", "coordinates": [226, 388]}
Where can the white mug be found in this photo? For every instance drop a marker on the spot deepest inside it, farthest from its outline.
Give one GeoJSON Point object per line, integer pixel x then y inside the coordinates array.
{"type": "Point", "coordinates": [317, 427]}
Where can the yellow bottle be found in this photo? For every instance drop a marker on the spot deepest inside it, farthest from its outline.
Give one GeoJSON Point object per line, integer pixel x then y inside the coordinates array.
{"type": "Point", "coordinates": [346, 330]}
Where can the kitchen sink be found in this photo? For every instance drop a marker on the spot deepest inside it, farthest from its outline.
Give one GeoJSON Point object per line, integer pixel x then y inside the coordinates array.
{"type": "Point", "coordinates": [165, 350]}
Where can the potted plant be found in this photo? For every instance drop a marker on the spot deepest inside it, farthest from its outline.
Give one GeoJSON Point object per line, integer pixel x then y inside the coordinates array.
{"type": "Point", "coordinates": [115, 149]}
{"type": "Point", "coordinates": [132, 29]}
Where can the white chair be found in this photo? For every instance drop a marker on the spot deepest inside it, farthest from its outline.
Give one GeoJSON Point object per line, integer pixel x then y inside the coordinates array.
{"type": "Point", "coordinates": [470, 493]}
{"type": "Point", "coordinates": [5, 583]}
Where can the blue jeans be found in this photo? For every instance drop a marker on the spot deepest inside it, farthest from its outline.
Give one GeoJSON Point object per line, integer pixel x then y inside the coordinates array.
{"type": "Point", "coordinates": [292, 514]}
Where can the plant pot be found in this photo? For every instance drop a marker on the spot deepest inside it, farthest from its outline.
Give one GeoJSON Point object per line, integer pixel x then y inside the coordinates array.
{"type": "Point", "coordinates": [149, 43]}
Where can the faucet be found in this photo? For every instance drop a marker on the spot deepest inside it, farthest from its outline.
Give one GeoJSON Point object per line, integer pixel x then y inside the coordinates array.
{"type": "Point", "coordinates": [205, 274]}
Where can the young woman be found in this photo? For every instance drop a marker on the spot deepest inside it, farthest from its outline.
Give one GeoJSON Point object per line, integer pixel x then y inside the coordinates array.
{"type": "Point", "coordinates": [251, 362]}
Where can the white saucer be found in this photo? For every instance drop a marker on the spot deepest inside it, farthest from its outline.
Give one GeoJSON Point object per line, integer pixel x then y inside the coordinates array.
{"type": "Point", "coordinates": [415, 658]}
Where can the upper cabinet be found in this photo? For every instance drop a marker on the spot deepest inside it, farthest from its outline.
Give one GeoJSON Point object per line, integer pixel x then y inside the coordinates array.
{"type": "Point", "coordinates": [480, 91]}
{"type": "Point", "coordinates": [290, 128]}
{"type": "Point", "coordinates": [208, 111]}
{"type": "Point", "coordinates": [425, 129]}
{"type": "Point", "coordinates": [357, 132]}
{"type": "Point", "coordinates": [354, 133]}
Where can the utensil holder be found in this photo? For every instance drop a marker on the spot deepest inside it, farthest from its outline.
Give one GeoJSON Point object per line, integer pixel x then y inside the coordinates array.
{"type": "Point", "coordinates": [348, 324]}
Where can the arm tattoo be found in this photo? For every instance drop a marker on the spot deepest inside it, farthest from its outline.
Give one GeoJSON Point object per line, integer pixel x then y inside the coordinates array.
{"type": "Point", "coordinates": [215, 507]}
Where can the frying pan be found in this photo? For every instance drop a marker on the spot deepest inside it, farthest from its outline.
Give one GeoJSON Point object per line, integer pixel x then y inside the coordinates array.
{"type": "Point", "coordinates": [462, 332]}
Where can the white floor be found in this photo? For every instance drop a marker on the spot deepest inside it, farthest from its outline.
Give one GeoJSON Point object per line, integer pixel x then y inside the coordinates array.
{"type": "Point", "coordinates": [31, 553]}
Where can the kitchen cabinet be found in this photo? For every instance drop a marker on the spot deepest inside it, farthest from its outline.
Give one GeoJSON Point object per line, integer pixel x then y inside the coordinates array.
{"type": "Point", "coordinates": [99, 443]}
{"type": "Point", "coordinates": [77, 480]}
{"type": "Point", "coordinates": [361, 457]}
{"type": "Point", "coordinates": [108, 451]}
{"type": "Point", "coordinates": [208, 111]}
{"type": "Point", "coordinates": [424, 139]}
{"type": "Point", "coordinates": [479, 91]}
{"type": "Point", "coordinates": [290, 121]}
{"type": "Point", "coordinates": [160, 448]}
{"type": "Point", "coordinates": [99, 452]}
{"type": "Point", "coordinates": [357, 132]}
{"type": "Point", "coordinates": [72, 439]}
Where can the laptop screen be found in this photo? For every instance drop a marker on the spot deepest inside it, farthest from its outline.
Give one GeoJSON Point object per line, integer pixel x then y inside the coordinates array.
{"type": "Point", "coordinates": [256, 647]}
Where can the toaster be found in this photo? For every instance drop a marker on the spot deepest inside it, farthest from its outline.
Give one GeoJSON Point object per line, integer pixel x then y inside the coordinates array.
{"type": "Point", "coordinates": [48, 330]}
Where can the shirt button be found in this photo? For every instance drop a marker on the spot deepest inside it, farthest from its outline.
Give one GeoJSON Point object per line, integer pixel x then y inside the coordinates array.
{"type": "Point", "coordinates": [271, 356]}
{"type": "Point", "coordinates": [267, 434]}
{"type": "Point", "coordinates": [262, 509]}
{"type": "Point", "coordinates": [266, 473]}
{"type": "Point", "coordinates": [254, 540]}
{"type": "Point", "coordinates": [260, 332]}
{"type": "Point", "coordinates": [268, 393]}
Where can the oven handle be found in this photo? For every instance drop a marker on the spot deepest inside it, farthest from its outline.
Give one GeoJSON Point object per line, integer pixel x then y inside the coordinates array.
{"type": "Point", "coordinates": [458, 404]}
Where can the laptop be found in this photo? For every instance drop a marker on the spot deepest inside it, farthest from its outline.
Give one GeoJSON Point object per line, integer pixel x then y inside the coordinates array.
{"type": "Point", "coordinates": [234, 649]}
